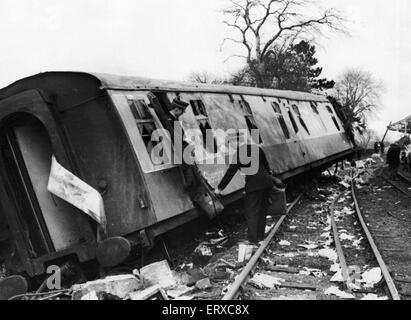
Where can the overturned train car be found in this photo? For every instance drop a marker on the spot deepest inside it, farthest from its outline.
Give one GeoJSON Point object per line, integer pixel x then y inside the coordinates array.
{"type": "Point", "coordinates": [98, 127]}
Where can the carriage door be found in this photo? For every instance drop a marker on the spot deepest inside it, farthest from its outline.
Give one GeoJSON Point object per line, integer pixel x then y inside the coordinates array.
{"type": "Point", "coordinates": [55, 220]}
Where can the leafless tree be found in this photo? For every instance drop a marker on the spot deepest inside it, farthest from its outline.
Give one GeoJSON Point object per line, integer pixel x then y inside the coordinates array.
{"type": "Point", "coordinates": [360, 92]}
{"type": "Point", "coordinates": [264, 24]}
{"type": "Point", "coordinates": [205, 77]}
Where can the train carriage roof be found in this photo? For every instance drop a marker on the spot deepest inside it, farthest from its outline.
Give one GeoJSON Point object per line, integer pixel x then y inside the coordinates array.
{"type": "Point", "coordinates": [116, 82]}
{"type": "Point", "coordinates": [403, 126]}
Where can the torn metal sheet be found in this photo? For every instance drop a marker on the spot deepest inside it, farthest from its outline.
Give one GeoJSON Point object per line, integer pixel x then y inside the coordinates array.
{"type": "Point", "coordinates": [70, 188]}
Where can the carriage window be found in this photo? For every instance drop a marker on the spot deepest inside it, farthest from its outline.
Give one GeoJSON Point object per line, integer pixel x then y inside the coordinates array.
{"type": "Point", "coordinates": [145, 122]}
{"type": "Point", "coordinates": [280, 118]}
{"type": "Point", "coordinates": [209, 140]}
{"type": "Point", "coordinates": [333, 118]}
{"type": "Point", "coordinates": [290, 115]}
{"type": "Point", "coordinates": [300, 118]}
{"type": "Point", "coordinates": [314, 107]}
{"type": "Point", "coordinates": [336, 124]}
{"type": "Point", "coordinates": [249, 117]}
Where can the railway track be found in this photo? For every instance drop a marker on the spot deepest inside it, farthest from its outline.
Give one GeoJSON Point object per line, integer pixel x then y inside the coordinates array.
{"type": "Point", "coordinates": [393, 291]}
{"type": "Point", "coordinates": [347, 257]}
{"type": "Point", "coordinates": [402, 185]}
{"type": "Point", "coordinates": [234, 290]}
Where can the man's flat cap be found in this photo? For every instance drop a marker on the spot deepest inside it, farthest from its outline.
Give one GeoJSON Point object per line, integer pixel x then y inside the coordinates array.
{"type": "Point", "coordinates": [177, 103]}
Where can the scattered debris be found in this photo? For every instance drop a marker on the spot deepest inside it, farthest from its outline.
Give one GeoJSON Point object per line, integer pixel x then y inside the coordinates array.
{"type": "Point", "coordinates": [245, 252]}
{"type": "Point", "coordinates": [119, 286]}
{"type": "Point", "coordinates": [203, 284]}
{"type": "Point", "coordinates": [337, 292]}
{"type": "Point", "coordinates": [284, 243]}
{"type": "Point", "coordinates": [158, 273]}
{"type": "Point", "coordinates": [345, 236]}
{"type": "Point", "coordinates": [337, 276]}
{"type": "Point", "coordinates": [92, 295]}
{"type": "Point", "coordinates": [372, 296]}
{"type": "Point", "coordinates": [203, 249]}
{"type": "Point", "coordinates": [261, 280]}
{"type": "Point", "coordinates": [151, 293]}
{"type": "Point", "coordinates": [371, 277]}
{"type": "Point", "coordinates": [177, 292]}
{"type": "Point", "coordinates": [329, 254]}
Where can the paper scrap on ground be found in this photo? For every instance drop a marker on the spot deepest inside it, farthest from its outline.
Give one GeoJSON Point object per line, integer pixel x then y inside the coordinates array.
{"type": "Point", "coordinates": [330, 254]}
{"type": "Point", "coordinates": [371, 277]}
{"type": "Point", "coordinates": [158, 273]}
{"type": "Point", "coordinates": [337, 292]}
{"type": "Point", "coordinates": [262, 280]}
{"type": "Point", "coordinates": [372, 296]}
{"type": "Point", "coordinates": [345, 236]}
{"type": "Point", "coordinates": [70, 188]}
{"type": "Point", "coordinates": [335, 267]}
{"type": "Point", "coordinates": [284, 243]}
{"type": "Point", "coordinates": [337, 277]}
{"type": "Point", "coordinates": [204, 250]}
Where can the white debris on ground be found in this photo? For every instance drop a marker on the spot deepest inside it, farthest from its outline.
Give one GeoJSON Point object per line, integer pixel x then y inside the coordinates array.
{"type": "Point", "coordinates": [158, 273]}
{"type": "Point", "coordinates": [337, 292]}
{"type": "Point", "coordinates": [245, 252]}
{"type": "Point", "coordinates": [284, 243]}
{"type": "Point", "coordinates": [261, 280]}
{"type": "Point", "coordinates": [337, 277]}
{"type": "Point", "coordinates": [203, 249]}
{"type": "Point", "coordinates": [371, 277]}
{"type": "Point", "coordinates": [345, 236]}
{"type": "Point", "coordinates": [328, 253]}
{"type": "Point", "coordinates": [372, 296]}
{"type": "Point", "coordinates": [119, 286]}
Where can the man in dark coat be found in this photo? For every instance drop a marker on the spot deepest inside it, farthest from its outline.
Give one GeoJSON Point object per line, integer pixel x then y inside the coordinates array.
{"type": "Point", "coordinates": [393, 160]}
{"type": "Point", "coordinates": [257, 189]}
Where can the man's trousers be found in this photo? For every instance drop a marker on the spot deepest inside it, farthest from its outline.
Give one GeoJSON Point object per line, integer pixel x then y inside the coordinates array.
{"type": "Point", "coordinates": [255, 212]}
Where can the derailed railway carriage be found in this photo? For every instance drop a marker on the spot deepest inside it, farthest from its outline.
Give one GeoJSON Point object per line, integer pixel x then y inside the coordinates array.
{"type": "Point", "coordinates": [99, 128]}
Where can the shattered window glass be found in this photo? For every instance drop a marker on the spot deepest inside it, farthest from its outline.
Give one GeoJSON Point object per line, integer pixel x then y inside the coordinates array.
{"type": "Point", "coordinates": [144, 121]}
{"type": "Point", "coordinates": [280, 118]}
{"type": "Point", "coordinates": [209, 140]}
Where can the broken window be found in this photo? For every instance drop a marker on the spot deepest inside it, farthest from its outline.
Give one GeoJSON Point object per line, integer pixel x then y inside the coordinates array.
{"type": "Point", "coordinates": [300, 118]}
{"type": "Point", "coordinates": [333, 118]}
{"type": "Point", "coordinates": [249, 117]}
{"type": "Point", "coordinates": [280, 118]}
{"type": "Point", "coordinates": [145, 122]}
{"type": "Point", "coordinates": [291, 117]}
{"type": "Point", "coordinates": [200, 112]}
{"type": "Point", "coordinates": [314, 107]}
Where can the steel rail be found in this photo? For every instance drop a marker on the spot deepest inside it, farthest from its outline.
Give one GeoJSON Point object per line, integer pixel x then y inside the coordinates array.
{"type": "Point", "coordinates": [386, 274]}
{"type": "Point", "coordinates": [396, 186]}
{"type": "Point", "coordinates": [244, 275]}
{"type": "Point", "coordinates": [338, 247]}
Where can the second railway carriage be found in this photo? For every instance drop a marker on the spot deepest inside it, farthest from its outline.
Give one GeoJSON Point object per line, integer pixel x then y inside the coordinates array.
{"type": "Point", "coordinates": [99, 127]}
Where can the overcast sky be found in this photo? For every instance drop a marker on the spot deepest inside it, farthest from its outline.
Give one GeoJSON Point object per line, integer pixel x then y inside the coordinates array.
{"type": "Point", "coordinates": [169, 39]}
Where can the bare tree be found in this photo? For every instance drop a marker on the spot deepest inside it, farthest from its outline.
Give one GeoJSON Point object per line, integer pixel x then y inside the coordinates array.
{"type": "Point", "coordinates": [265, 24]}
{"type": "Point", "coordinates": [205, 77]}
{"type": "Point", "coordinates": [359, 93]}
